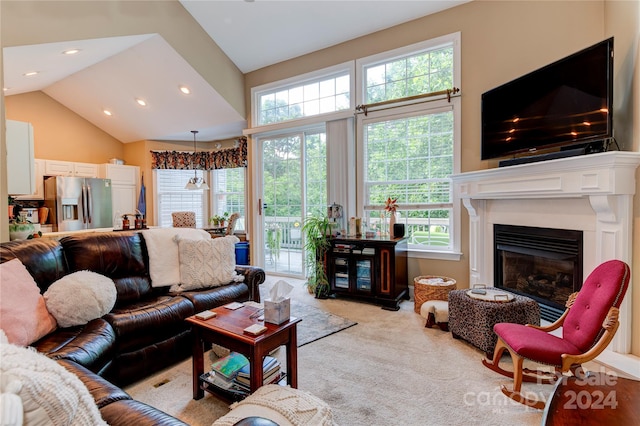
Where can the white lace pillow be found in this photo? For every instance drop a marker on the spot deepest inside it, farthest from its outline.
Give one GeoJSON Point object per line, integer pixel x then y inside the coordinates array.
{"type": "Point", "coordinates": [80, 297]}
{"type": "Point", "coordinates": [207, 263]}
{"type": "Point", "coordinates": [163, 252]}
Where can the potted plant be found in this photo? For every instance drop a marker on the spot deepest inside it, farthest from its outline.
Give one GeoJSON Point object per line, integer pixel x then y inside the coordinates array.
{"type": "Point", "coordinates": [317, 234]}
{"type": "Point", "coordinates": [218, 220]}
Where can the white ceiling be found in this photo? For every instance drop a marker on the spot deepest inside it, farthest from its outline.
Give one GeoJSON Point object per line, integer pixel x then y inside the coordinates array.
{"type": "Point", "coordinates": [111, 73]}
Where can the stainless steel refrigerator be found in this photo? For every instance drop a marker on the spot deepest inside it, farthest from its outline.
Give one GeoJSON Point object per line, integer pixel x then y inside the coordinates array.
{"type": "Point", "coordinates": [78, 203]}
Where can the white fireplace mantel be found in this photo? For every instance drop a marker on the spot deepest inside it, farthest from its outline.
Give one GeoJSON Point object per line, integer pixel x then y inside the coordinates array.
{"type": "Point", "coordinates": [592, 193]}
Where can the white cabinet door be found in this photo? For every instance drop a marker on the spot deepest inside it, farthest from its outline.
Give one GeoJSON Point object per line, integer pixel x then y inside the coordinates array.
{"type": "Point", "coordinates": [85, 170]}
{"type": "Point", "coordinates": [38, 194]}
{"type": "Point", "coordinates": [125, 199]}
{"type": "Point", "coordinates": [120, 174]}
{"type": "Point", "coordinates": [69, 168]}
{"type": "Point", "coordinates": [58, 168]}
{"type": "Point", "coordinates": [20, 166]}
{"type": "Point", "coordinates": [124, 187]}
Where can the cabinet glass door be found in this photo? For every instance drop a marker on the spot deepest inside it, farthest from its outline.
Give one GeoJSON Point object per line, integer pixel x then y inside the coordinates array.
{"type": "Point", "coordinates": [364, 274]}
{"type": "Point", "coordinates": [341, 272]}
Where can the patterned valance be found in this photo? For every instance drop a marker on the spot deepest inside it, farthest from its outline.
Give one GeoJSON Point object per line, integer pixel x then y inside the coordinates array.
{"type": "Point", "coordinates": [229, 158]}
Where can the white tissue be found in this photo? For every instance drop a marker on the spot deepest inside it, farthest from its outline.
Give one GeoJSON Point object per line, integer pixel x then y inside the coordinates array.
{"type": "Point", "coordinates": [280, 291]}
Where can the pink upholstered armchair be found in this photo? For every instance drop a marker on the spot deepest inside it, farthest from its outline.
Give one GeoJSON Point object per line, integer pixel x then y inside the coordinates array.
{"type": "Point", "coordinates": [588, 325]}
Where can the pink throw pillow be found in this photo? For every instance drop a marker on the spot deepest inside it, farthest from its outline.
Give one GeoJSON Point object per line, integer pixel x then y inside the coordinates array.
{"type": "Point", "coordinates": [23, 314]}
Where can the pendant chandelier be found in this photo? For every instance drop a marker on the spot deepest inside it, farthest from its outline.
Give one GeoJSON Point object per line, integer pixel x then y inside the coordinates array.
{"type": "Point", "coordinates": [195, 182]}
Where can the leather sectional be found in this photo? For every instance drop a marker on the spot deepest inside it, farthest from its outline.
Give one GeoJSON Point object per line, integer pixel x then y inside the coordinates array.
{"type": "Point", "coordinates": [144, 332]}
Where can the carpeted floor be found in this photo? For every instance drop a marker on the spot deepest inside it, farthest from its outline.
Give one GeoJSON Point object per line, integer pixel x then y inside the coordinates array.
{"type": "Point", "coordinates": [316, 323]}
{"type": "Point", "coordinates": [386, 370]}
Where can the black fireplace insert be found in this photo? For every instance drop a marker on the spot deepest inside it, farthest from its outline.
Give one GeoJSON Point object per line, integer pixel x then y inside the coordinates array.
{"type": "Point", "coordinates": [544, 264]}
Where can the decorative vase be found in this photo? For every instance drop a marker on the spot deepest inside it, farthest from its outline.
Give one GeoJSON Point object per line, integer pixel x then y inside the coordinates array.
{"type": "Point", "coordinates": [43, 215]}
{"type": "Point", "coordinates": [392, 221]}
{"type": "Point", "coordinates": [21, 231]}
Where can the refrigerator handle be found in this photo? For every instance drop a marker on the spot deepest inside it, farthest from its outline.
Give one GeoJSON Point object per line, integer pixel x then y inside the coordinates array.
{"type": "Point", "coordinates": [89, 205]}
{"type": "Point", "coordinates": [84, 203]}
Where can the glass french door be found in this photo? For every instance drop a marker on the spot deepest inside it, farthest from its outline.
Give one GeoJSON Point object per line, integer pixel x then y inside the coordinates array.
{"type": "Point", "coordinates": [293, 182]}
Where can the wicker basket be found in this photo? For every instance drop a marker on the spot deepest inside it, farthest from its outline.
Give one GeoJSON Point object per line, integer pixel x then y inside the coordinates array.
{"type": "Point", "coordinates": [437, 288]}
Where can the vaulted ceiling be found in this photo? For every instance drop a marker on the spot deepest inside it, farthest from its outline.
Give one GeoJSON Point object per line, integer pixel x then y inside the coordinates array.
{"type": "Point", "coordinates": [113, 73]}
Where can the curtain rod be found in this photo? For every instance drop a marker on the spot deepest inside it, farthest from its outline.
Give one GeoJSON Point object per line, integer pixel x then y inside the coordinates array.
{"type": "Point", "coordinates": [449, 92]}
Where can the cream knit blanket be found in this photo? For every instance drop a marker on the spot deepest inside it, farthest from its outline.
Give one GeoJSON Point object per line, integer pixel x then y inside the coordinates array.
{"type": "Point", "coordinates": [283, 405]}
{"type": "Point", "coordinates": [50, 395]}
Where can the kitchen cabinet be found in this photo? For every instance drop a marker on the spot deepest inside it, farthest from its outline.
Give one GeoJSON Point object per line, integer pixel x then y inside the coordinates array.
{"type": "Point", "coordinates": [69, 168]}
{"type": "Point", "coordinates": [20, 159]}
{"type": "Point", "coordinates": [124, 186]}
{"type": "Point", "coordinates": [38, 193]}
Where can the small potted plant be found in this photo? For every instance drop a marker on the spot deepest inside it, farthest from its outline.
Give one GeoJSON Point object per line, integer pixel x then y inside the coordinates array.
{"type": "Point", "coordinates": [317, 233]}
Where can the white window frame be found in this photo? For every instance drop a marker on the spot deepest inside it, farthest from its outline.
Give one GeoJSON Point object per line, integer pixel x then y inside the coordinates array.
{"type": "Point", "coordinates": [304, 122]}
{"type": "Point", "coordinates": [203, 215]}
{"type": "Point", "coordinates": [240, 224]}
{"type": "Point", "coordinates": [406, 108]}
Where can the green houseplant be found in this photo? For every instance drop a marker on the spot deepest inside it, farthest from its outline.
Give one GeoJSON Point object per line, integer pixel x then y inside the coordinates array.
{"type": "Point", "coordinates": [317, 241]}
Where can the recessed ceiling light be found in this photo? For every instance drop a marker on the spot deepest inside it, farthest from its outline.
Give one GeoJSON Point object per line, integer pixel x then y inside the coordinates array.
{"type": "Point", "coordinates": [107, 112]}
{"type": "Point", "coordinates": [30, 73]}
{"type": "Point", "coordinates": [71, 51]}
{"type": "Point", "coordinates": [185, 90]}
{"type": "Point", "coordinates": [141, 102]}
{"type": "Point", "coordinates": [4, 89]}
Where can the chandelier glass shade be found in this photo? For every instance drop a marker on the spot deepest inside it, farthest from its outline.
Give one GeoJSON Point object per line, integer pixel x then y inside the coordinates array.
{"type": "Point", "coordinates": [195, 182]}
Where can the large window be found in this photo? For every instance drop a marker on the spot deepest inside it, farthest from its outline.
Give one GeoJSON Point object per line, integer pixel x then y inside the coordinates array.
{"type": "Point", "coordinates": [228, 193]}
{"type": "Point", "coordinates": [405, 143]}
{"type": "Point", "coordinates": [172, 197]}
{"type": "Point", "coordinates": [410, 146]}
{"type": "Point", "coordinates": [317, 95]}
{"type": "Point", "coordinates": [410, 157]}
{"type": "Point", "coordinates": [416, 74]}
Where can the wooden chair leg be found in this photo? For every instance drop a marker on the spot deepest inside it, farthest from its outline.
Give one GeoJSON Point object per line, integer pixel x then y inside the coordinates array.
{"type": "Point", "coordinates": [431, 321]}
{"type": "Point", "coordinates": [495, 363]}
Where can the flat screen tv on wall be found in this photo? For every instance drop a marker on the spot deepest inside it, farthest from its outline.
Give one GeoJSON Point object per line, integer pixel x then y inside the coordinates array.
{"type": "Point", "coordinates": [565, 104]}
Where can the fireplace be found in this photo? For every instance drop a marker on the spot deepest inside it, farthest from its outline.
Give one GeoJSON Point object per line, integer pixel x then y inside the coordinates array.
{"type": "Point", "coordinates": [541, 263]}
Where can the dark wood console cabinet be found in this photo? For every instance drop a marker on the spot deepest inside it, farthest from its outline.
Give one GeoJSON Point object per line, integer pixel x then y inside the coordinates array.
{"type": "Point", "coordinates": [370, 269]}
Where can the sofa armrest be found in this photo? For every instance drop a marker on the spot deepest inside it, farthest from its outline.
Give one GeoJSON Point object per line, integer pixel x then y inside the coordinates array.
{"type": "Point", "coordinates": [253, 277]}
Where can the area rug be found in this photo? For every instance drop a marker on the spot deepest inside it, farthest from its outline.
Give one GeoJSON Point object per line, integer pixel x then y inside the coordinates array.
{"type": "Point", "coordinates": [316, 323]}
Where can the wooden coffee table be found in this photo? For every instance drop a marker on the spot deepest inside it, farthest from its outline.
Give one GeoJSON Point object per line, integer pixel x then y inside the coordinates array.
{"type": "Point", "coordinates": [226, 330]}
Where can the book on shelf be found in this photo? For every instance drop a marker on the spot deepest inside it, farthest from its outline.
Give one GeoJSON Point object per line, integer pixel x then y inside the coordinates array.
{"type": "Point", "coordinates": [218, 380]}
{"type": "Point", "coordinates": [229, 365]}
{"type": "Point", "coordinates": [268, 364]}
{"type": "Point", "coordinates": [244, 384]}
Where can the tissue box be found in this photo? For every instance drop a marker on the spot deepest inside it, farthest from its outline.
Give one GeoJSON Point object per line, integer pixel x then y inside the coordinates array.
{"type": "Point", "coordinates": [277, 312]}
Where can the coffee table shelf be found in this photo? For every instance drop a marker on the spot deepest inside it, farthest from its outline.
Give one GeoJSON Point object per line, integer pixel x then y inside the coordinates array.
{"type": "Point", "coordinates": [226, 330]}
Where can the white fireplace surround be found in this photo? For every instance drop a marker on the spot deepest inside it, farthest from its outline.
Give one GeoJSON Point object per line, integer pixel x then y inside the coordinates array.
{"type": "Point", "coordinates": [592, 193]}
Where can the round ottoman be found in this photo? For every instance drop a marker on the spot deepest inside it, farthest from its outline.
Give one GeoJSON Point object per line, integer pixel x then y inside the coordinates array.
{"type": "Point", "coordinates": [437, 313]}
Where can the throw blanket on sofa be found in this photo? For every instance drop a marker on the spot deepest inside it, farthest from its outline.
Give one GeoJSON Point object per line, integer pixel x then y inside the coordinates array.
{"type": "Point", "coordinates": [36, 390]}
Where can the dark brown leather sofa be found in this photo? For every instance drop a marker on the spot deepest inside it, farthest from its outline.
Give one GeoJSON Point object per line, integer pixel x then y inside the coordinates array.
{"type": "Point", "coordinates": [143, 333]}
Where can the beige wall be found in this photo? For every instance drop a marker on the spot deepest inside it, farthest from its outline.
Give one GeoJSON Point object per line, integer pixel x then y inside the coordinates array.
{"type": "Point", "coordinates": [59, 133]}
{"type": "Point", "coordinates": [622, 21]}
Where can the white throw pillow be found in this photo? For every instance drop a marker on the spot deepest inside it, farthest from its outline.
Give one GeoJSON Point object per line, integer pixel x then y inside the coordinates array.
{"type": "Point", "coordinates": [41, 391]}
{"type": "Point", "coordinates": [80, 297]}
{"type": "Point", "coordinates": [207, 263]}
{"type": "Point", "coordinates": [163, 252]}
